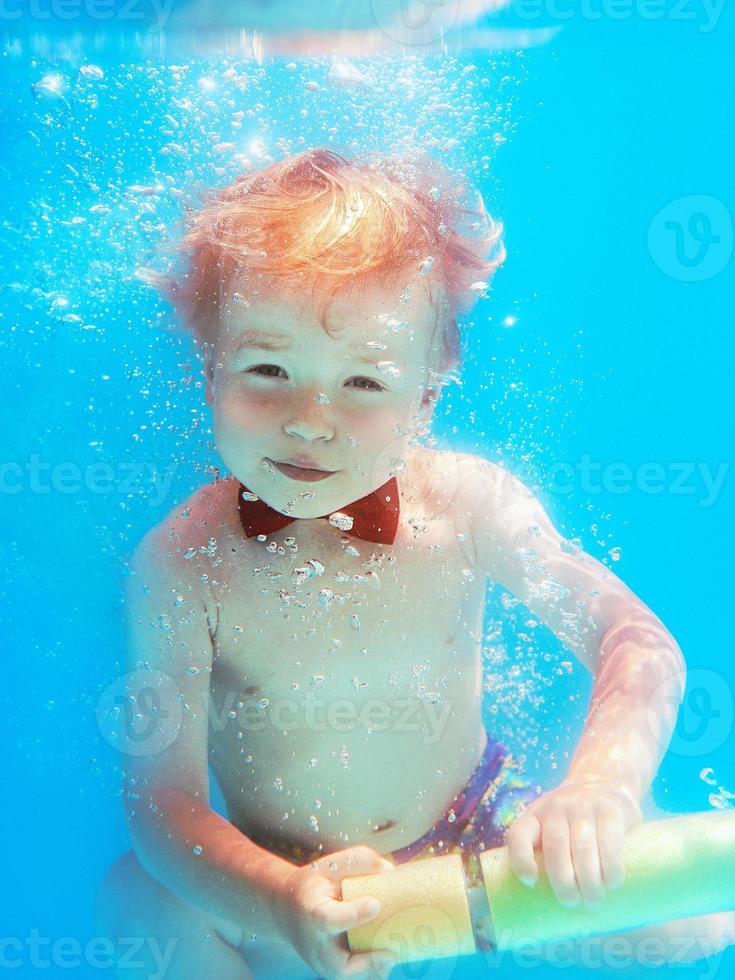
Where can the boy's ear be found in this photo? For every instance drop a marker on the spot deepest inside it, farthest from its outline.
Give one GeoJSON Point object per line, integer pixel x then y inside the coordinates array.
{"type": "Point", "coordinates": [430, 396]}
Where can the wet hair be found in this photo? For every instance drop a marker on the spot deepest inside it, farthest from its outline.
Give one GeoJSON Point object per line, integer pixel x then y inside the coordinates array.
{"type": "Point", "coordinates": [319, 224]}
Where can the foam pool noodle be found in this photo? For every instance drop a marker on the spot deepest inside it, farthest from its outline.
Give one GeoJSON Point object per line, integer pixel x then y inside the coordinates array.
{"type": "Point", "coordinates": [676, 868]}
{"type": "Point", "coordinates": [424, 910]}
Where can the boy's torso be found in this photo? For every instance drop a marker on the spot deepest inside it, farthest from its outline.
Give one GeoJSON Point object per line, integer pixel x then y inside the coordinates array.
{"type": "Point", "coordinates": [336, 721]}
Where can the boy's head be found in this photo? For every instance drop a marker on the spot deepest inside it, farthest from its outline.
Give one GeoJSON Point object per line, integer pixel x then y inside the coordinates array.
{"type": "Point", "coordinates": [323, 295]}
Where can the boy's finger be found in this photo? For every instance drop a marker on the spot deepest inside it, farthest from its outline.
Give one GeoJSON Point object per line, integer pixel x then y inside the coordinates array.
{"type": "Point", "coordinates": [557, 849]}
{"type": "Point", "coordinates": [522, 837]}
{"type": "Point", "coordinates": [586, 858]}
{"type": "Point", "coordinates": [610, 841]}
{"type": "Point", "coordinates": [358, 860]}
{"type": "Point", "coordinates": [340, 916]}
{"type": "Point", "coordinates": [376, 964]}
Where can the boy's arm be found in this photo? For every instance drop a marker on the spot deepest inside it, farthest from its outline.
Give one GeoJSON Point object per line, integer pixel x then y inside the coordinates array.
{"type": "Point", "coordinates": [639, 679]}
{"type": "Point", "coordinates": [639, 671]}
{"type": "Point", "coordinates": [177, 837]}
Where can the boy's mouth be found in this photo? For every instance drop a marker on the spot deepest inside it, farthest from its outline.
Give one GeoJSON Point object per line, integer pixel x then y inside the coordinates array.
{"type": "Point", "coordinates": [307, 473]}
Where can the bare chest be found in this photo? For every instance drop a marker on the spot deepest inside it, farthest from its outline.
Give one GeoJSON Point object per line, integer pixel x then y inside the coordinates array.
{"type": "Point", "coordinates": [347, 672]}
{"type": "Point", "coordinates": [296, 618]}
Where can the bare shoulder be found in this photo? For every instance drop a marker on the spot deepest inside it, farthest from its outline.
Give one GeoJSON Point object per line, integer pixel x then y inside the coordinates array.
{"type": "Point", "coordinates": [191, 531]}
{"type": "Point", "coordinates": [484, 493]}
{"type": "Point", "coordinates": [431, 477]}
{"type": "Point", "coordinates": [452, 474]}
{"type": "Point", "coordinates": [482, 480]}
{"type": "Point", "coordinates": [442, 482]}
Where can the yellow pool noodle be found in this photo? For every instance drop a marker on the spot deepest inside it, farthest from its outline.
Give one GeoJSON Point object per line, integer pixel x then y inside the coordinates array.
{"type": "Point", "coordinates": [674, 868]}
{"type": "Point", "coordinates": [424, 910]}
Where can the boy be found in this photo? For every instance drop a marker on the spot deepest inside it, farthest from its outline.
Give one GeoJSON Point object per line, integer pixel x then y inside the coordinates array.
{"type": "Point", "coordinates": [319, 612]}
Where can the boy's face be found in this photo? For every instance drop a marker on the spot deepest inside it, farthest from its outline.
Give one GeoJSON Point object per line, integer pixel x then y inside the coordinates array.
{"type": "Point", "coordinates": [284, 389]}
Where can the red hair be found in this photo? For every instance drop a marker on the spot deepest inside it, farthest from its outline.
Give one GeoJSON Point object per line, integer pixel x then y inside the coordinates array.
{"type": "Point", "coordinates": [318, 222]}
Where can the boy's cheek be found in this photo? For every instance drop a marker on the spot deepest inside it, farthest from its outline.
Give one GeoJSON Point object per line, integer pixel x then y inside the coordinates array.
{"type": "Point", "coordinates": [243, 415]}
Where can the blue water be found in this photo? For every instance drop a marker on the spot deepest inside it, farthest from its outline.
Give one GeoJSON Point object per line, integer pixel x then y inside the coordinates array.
{"type": "Point", "coordinates": [607, 339]}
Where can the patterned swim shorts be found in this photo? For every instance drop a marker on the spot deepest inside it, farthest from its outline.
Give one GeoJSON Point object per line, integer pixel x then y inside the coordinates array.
{"type": "Point", "coordinates": [478, 817]}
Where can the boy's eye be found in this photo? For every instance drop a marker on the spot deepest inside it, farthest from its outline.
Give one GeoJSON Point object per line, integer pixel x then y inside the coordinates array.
{"type": "Point", "coordinates": [264, 367]}
{"type": "Point", "coordinates": [271, 371]}
{"type": "Point", "coordinates": [374, 385]}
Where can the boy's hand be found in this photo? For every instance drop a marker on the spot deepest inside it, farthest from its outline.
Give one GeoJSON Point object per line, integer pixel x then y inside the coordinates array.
{"type": "Point", "coordinates": [313, 919]}
{"type": "Point", "coordinates": [579, 827]}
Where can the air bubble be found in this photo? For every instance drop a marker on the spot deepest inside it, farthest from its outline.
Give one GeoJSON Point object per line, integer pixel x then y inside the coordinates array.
{"type": "Point", "coordinates": [51, 86]}
{"type": "Point", "coordinates": [389, 369]}
{"type": "Point", "coordinates": [92, 72]}
{"type": "Point", "coordinates": [341, 521]}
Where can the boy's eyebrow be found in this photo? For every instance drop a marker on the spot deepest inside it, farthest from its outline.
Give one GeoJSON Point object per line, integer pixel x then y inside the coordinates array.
{"type": "Point", "coordinates": [262, 340]}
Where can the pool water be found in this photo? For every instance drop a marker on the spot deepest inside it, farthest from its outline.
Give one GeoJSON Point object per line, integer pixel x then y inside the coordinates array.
{"type": "Point", "coordinates": [599, 369]}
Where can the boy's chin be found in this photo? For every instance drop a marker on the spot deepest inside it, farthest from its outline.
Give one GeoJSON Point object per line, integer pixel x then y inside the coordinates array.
{"type": "Point", "coordinates": [301, 504]}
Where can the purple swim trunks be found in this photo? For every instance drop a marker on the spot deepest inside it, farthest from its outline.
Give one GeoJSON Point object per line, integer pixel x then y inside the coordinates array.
{"type": "Point", "coordinates": [478, 817]}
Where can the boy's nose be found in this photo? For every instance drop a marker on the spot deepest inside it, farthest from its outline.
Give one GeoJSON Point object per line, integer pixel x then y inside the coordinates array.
{"type": "Point", "coordinates": [309, 420]}
{"type": "Point", "coordinates": [310, 431]}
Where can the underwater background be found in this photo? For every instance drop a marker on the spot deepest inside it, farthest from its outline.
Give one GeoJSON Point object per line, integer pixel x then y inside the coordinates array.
{"type": "Point", "coordinates": [599, 368]}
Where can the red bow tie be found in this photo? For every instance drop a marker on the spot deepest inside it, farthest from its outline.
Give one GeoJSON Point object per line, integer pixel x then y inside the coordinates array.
{"type": "Point", "coordinates": [374, 517]}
